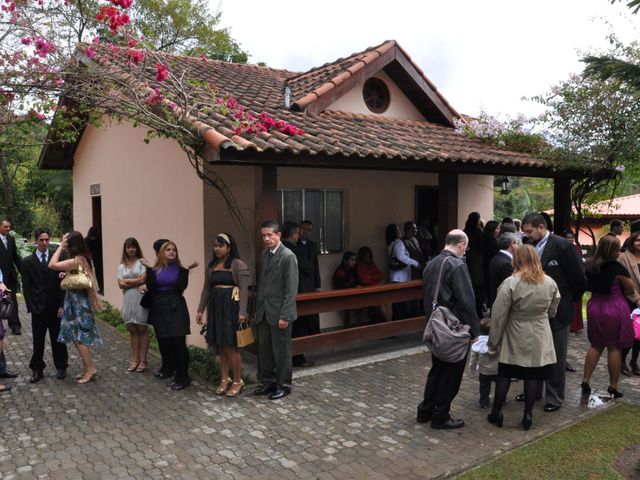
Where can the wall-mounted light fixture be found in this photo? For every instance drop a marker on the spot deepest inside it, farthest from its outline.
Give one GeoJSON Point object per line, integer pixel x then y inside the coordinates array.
{"type": "Point", "coordinates": [505, 186]}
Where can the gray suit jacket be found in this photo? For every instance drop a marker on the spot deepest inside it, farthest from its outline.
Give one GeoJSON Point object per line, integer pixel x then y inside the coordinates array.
{"type": "Point", "coordinates": [277, 287]}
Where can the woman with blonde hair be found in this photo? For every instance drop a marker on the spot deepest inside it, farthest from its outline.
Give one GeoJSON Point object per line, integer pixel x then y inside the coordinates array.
{"type": "Point", "coordinates": [520, 331]}
{"type": "Point", "coordinates": [608, 314]}
{"type": "Point", "coordinates": [78, 324]}
{"type": "Point", "coordinates": [166, 282]}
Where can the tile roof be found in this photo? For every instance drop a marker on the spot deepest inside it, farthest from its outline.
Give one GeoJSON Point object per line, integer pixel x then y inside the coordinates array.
{"type": "Point", "coordinates": [329, 133]}
{"type": "Point", "coordinates": [621, 206]}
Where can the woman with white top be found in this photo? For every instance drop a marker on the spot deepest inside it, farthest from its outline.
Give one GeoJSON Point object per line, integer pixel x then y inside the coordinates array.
{"type": "Point", "coordinates": [400, 264]}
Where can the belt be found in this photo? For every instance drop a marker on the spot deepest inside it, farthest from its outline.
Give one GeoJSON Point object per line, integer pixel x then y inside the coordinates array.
{"type": "Point", "coordinates": [235, 293]}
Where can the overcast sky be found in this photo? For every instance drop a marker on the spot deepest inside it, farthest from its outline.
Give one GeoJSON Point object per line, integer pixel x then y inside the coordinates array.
{"type": "Point", "coordinates": [480, 54]}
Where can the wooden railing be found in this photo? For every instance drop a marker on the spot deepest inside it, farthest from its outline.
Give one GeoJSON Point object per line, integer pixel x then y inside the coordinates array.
{"type": "Point", "coordinates": [354, 298]}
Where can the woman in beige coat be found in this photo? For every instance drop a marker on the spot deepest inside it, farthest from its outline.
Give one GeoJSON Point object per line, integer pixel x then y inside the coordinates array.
{"type": "Point", "coordinates": [520, 331]}
{"type": "Point", "coordinates": [630, 259]}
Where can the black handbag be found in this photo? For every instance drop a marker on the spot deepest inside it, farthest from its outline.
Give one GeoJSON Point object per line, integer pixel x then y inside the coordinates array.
{"type": "Point", "coordinates": [7, 305]}
{"type": "Point", "coordinates": [145, 301]}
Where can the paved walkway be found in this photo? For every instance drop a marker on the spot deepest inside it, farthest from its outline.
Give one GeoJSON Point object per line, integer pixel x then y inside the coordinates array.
{"type": "Point", "coordinates": [356, 422]}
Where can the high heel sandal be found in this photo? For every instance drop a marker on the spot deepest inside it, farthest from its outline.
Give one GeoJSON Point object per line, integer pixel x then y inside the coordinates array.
{"type": "Point", "coordinates": [615, 394]}
{"type": "Point", "coordinates": [133, 366]}
{"type": "Point", "coordinates": [142, 367]}
{"type": "Point", "coordinates": [586, 388]}
{"type": "Point", "coordinates": [224, 384]}
{"type": "Point", "coordinates": [235, 389]}
{"type": "Point", "coordinates": [527, 421]}
{"type": "Point", "coordinates": [91, 377]}
{"type": "Point", "coordinates": [496, 418]}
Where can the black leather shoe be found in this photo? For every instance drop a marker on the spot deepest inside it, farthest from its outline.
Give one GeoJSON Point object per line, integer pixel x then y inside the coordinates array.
{"type": "Point", "coordinates": [423, 417]}
{"type": "Point", "coordinates": [61, 373]}
{"type": "Point", "coordinates": [520, 397]}
{"type": "Point", "coordinates": [450, 424]}
{"type": "Point", "coordinates": [550, 407]}
{"type": "Point", "coordinates": [279, 393]}
{"type": "Point", "coordinates": [8, 374]}
{"type": "Point", "coordinates": [527, 421]}
{"type": "Point", "coordinates": [569, 368]}
{"type": "Point", "coordinates": [163, 375]}
{"type": "Point", "coordinates": [265, 389]}
{"type": "Point", "coordinates": [496, 418]}
{"type": "Point", "coordinates": [36, 376]}
{"type": "Point", "coordinates": [16, 331]}
{"type": "Point", "coordinates": [181, 385]}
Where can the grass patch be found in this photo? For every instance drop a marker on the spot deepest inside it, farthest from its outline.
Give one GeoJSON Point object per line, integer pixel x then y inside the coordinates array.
{"type": "Point", "coordinates": [201, 362]}
{"type": "Point", "coordinates": [586, 450]}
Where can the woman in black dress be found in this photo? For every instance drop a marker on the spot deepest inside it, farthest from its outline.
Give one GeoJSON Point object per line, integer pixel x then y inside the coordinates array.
{"type": "Point", "coordinates": [168, 312]}
{"type": "Point", "coordinates": [224, 295]}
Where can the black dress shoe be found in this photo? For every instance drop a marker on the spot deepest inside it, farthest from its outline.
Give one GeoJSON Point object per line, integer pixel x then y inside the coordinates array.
{"type": "Point", "coordinates": [61, 373]}
{"type": "Point", "coordinates": [423, 417]}
{"type": "Point", "coordinates": [279, 393]}
{"type": "Point", "coordinates": [520, 397]}
{"type": "Point", "coordinates": [527, 421]}
{"type": "Point", "coordinates": [17, 331]}
{"type": "Point", "coordinates": [8, 374]}
{"type": "Point", "coordinates": [569, 368]}
{"type": "Point", "coordinates": [163, 375]}
{"type": "Point", "coordinates": [450, 424]}
{"type": "Point", "coordinates": [267, 389]}
{"type": "Point", "coordinates": [496, 418]}
{"type": "Point", "coordinates": [180, 385]}
{"type": "Point", "coordinates": [36, 376]}
{"type": "Point", "coordinates": [550, 407]}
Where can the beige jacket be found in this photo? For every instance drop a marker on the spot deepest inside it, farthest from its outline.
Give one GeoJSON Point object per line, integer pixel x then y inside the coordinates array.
{"type": "Point", "coordinates": [630, 262]}
{"type": "Point", "coordinates": [520, 328]}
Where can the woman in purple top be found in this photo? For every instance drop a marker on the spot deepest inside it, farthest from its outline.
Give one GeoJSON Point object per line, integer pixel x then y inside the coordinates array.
{"type": "Point", "coordinates": [168, 312]}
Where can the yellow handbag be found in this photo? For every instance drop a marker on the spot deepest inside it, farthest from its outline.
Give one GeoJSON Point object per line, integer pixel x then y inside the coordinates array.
{"type": "Point", "coordinates": [244, 334]}
{"type": "Point", "coordinates": [76, 280]}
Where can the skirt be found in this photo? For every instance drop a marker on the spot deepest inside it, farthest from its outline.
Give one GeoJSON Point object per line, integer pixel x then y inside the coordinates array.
{"type": "Point", "coordinates": [507, 370]}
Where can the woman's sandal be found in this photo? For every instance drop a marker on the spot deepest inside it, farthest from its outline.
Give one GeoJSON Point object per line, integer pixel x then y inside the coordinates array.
{"type": "Point", "coordinates": [142, 367]}
{"type": "Point", "coordinates": [133, 366]}
{"type": "Point", "coordinates": [90, 378]}
{"type": "Point", "coordinates": [236, 388]}
{"type": "Point", "coordinates": [224, 384]}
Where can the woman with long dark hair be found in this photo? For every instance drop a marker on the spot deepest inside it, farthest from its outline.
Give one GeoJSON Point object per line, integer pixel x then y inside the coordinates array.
{"type": "Point", "coordinates": [521, 333]}
{"type": "Point", "coordinates": [166, 282]}
{"type": "Point", "coordinates": [131, 275]}
{"type": "Point", "coordinates": [225, 296]}
{"type": "Point", "coordinates": [78, 323]}
{"type": "Point", "coordinates": [608, 314]}
{"type": "Point", "coordinates": [345, 275]}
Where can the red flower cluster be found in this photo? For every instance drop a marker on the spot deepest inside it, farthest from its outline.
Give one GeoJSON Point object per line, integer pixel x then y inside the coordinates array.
{"type": "Point", "coordinates": [113, 17]}
{"type": "Point", "coordinates": [162, 72]}
{"type": "Point", "coordinates": [124, 4]}
{"type": "Point", "coordinates": [43, 47]}
{"type": "Point", "coordinates": [135, 56]}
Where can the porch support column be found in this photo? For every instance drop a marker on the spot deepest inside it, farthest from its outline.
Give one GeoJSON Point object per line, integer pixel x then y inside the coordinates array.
{"type": "Point", "coordinates": [561, 204]}
{"type": "Point", "coordinates": [266, 206]}
{"type": "Point", "coordinates": [447, 205]}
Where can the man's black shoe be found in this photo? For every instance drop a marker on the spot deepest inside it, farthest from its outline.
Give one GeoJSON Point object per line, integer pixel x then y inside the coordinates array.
{"type": "Point", "coordinates": [423, 417]}
{"type": "Point", "coordinates": [181, 385]}
{"type": "Point", "coordinates": [569, 368]}
{"type": "Point", "coordinates": [8, 374]}
{"type": "Point", "coordinates": [36, 376]}
{"type": "Point", "coordinates": [279, 393]}
{"type": "Point", "coordinates": [61, 373]}
{"type": "Point", "coordinates": [267, 389]}
{"type": "Point", "coordinates": [550, 407]}
{"type": "Point", "coordinates": [520, 397]}
{"type": "Point", "coordinates": [16, 331]}
{"type": "Point", "coordinates": [450, 424]}
{"type": "Point", "coordinates": [163, 375]}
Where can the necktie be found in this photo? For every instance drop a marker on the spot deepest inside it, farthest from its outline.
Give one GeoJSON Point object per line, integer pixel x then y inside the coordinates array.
{"type": "Point", "coordinates": [43, 259]}
{"type": "Point", "coordinates": [4, 241]}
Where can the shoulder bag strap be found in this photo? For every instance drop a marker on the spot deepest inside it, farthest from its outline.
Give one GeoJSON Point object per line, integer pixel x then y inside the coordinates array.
{"type": "Point", "coordinates": [434, 303]}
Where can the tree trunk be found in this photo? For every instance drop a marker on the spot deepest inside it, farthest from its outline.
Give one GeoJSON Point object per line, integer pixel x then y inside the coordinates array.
{"type": "Point", "coordinates": [7, 187]}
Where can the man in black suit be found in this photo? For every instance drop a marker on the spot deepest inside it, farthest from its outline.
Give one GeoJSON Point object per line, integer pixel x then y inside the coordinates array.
{"type": "Point", "coordinates": [44, 301]}
{"type": "Point", "coordinates": [8, 258]}
{"type": "Point", "coordinates": [561, 262]}
{"type": "Point", "coordinates": [500, 267]}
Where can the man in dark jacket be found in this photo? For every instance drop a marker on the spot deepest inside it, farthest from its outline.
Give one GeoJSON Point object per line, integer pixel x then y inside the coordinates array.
{"type": "Point", "coordinates": [500, 267]}
{"type": "Point", "coordinates": [9, 260]}
{"type": "Point", "coordinates": [560, 260]}
{"type": "Point", "coordinates": [44, 301]}
{"type": "Point", "coordinates": [456, 293]}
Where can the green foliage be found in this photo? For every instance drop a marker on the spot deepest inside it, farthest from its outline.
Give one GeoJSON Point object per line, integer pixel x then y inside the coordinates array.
{"type": "Point", "coordinates": [185, 27]}
{"type": "Point", "coordinates": [526, 195]}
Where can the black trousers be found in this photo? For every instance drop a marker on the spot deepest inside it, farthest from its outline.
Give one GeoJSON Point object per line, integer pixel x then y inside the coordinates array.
{"type": "Point", "coordinates": [178, 356]}
{"type": "Point", "coordinates": [40, 323]}
{"type": "Point", "coordinates": [443, 383]}
{"type": "Point", "coordinates": [164, 345]}
{"type": "Point", "coordinates": [485, 387]}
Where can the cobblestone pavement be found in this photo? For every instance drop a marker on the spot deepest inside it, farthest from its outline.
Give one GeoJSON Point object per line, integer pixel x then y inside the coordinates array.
{"type": "Point", "coordinates": [356, 423]}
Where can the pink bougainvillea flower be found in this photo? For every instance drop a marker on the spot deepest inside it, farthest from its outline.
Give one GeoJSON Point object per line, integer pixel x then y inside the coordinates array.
{"type": "Point", "coordinates": [162, 72]}
{"type": "Point", "coordinates": [90, 52]}
{"type": "Point", "coordinates": [96, 39]}
{"type": "Point", "coordinates": [43, 47]}
{"type": "Point", "coordinates": [26, 40]}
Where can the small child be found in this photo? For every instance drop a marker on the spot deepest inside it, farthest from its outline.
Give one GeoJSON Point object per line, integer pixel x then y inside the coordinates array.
{"type": "Point", "coordinates": [484, 362]}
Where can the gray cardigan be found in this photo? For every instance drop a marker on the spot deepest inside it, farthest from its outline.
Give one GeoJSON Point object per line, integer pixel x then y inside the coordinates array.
{"type": "Point", "coordinates": [241, 277]}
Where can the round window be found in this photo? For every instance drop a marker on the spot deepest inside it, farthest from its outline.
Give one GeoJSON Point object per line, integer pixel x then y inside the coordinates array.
{"type": "Point", "coordinates": [376, 95]}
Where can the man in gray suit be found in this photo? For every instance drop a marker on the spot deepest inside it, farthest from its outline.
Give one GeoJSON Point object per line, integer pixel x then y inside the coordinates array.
{"type": "Point", "coordinates": [275, 312]}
